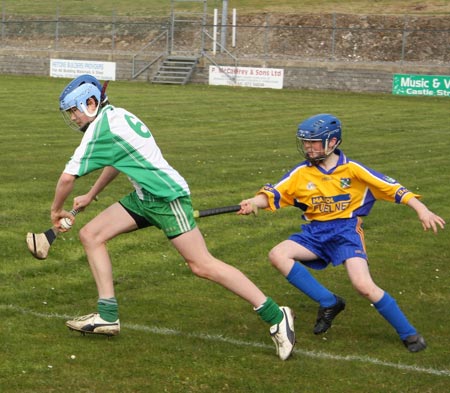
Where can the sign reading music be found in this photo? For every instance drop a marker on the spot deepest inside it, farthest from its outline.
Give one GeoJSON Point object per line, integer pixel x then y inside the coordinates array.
{"type": "Point", "coordinates": [421, 85]}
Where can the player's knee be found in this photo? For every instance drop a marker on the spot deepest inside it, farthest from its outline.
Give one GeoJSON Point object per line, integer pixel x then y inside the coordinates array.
{"type": "Point", "coordinates": [275, 257]}
{"type": "Point", "coordinates": [83, 235]}
{"type": "Point", "coordinates": [363, 292]}
{"type": "Point", "coordinates": [199, 269]}
{"type": "Point", "coordinates": [196, 269]}
{"type": "Point", "coordinates": [86, 236]}
{"type": "Point", "coordinates": [364, 288]}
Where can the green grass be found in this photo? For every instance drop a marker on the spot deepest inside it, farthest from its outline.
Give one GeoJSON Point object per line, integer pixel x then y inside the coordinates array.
{"type": "Point", "coordinates": [183, 334]}
{"type": "Point", "coordinates": [163, 8]}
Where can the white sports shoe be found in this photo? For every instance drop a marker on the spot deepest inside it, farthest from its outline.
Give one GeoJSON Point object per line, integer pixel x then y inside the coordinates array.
{"type": "Point", "coordinates": [93, 324]}
{"type": "Point", "coordinates": [283, 334]}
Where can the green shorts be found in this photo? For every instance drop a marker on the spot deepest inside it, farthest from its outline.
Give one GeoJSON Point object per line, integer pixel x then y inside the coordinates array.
{"type": "Point", "coordinates": [173, 218]}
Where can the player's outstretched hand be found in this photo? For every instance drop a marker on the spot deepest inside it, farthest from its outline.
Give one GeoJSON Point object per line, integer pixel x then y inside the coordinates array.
{"type": "Point", "coordinates": [431, 221]}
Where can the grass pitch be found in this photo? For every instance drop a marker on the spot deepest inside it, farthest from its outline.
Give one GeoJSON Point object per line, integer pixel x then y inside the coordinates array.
{"type": "Point", "coordinates": [183, 334]}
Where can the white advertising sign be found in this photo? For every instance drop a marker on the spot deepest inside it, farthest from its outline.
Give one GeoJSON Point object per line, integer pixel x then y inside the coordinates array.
{"type": "Point", "coordinates": [269, 78]}
{"type": "Point", "coordinates": [104, 70]}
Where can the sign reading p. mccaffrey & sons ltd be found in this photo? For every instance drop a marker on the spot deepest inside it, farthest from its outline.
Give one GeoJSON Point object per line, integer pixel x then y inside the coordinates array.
{"type": "Point", "coordinates": [421, 85]}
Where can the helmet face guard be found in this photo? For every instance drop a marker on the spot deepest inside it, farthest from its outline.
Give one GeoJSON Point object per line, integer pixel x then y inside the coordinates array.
{"type": "Point", "coordinates": [319, 128]}
{"type": "Point", "coordinates": [76, 95]}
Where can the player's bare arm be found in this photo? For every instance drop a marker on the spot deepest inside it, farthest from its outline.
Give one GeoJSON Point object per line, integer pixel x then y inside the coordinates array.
{"type": "Point", "coordinates": [108, 174]}
{"type": "Point", "coordinates": [249, 206]}
{"type": "Point", "coordinates": [63, 189]}
{"type": "Point", "coordinates": [428, 219]}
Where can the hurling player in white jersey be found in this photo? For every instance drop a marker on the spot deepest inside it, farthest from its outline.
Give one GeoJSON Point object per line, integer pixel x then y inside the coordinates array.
{"type": "Point", "coordinates": [117, 141]}
{"type": "Point", "coordinates": [334, 193]}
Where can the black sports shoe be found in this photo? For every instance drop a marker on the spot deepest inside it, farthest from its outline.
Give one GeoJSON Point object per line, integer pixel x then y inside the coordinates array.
{"type": "Point", "coordinates": [415, 343]}
{"type": "Point", "coordinates": [326, 315]}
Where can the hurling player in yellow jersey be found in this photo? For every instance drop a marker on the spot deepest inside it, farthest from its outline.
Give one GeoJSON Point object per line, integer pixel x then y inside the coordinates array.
{"type": "Point", "coordinates": [334, 192]}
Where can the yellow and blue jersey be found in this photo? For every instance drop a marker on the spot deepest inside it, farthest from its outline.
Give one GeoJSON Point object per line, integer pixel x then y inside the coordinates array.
{"type": "Point", "coordinates": [346, 191]}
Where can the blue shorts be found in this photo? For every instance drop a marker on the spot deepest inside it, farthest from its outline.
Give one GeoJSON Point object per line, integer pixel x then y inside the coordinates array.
{"type": "Point", "coordinates": [332, 241]}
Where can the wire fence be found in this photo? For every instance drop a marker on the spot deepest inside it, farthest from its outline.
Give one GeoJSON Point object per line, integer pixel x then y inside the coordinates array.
{"type": "Point", "coordinates": [79, 34]}
{"type": "Point", "coordinates": [327, 37]}
{"type": "Point", "coordinates": [356, 38]}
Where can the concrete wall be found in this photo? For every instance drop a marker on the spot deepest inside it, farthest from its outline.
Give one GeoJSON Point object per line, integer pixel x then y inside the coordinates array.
{"type": "Point", "coordinates": [15, 62]}
{"type": "Point", "coordinates": [350, 76]}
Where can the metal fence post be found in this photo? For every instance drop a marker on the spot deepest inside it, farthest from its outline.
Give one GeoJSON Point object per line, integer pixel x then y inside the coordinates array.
{"type": "Point", "coordinates": [223, 31]}
{"type": "Point", "coordinates": [266, 35]}
{"type": "Point", "coordinates": [113, 30]}
{"type": "Point", "coordinates": [405, 29]}
{"type": "Point", "coordinates": [333, 38]}
{"type": "Point", "coordinates": [204, 20]}
{"type": "Point", "coordinates": [3, 20]}
{"type": "Point", "coordinates": [172, 27]}
{"type": "Point", "coordinates": [57, 27]}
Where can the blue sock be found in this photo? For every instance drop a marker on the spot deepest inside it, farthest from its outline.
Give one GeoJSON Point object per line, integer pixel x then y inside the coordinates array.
{"type": "Point", "coordinates": [302, 279]}
{"type": "Point", "coordinates": [388, 308]}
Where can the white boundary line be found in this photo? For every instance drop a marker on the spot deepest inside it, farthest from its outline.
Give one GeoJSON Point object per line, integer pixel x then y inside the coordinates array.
{"type": "Point", "coordinates": [219, 338]}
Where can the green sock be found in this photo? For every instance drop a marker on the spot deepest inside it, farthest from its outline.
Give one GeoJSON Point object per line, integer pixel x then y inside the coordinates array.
{"type": "Point", "coordinates": [270, 312]}
{"type": "Point", "coordinates": [108, 309]}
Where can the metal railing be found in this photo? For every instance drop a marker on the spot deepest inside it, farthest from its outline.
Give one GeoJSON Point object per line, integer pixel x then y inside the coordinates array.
{"type": "Point", "coordinates": [229, 56]}
{"type": "Point", "coordinates": [146, 50]}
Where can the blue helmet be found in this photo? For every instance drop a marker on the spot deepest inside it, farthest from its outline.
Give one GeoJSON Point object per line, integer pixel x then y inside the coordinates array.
{"type": "Point", "coordinates": [322, 127]}
{"type": "Point", "coordinates": [76, 94]}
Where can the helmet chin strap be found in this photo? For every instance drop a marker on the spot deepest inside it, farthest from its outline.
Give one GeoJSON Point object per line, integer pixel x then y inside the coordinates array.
{"type": "Point", "coordinates": [317, 160]}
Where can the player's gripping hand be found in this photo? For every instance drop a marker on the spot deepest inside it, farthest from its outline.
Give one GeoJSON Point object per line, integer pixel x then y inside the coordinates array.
{"type": "Point", "coordinates": [82, 201]}
{"type": "Point", "coordinates": [247, 207]}
{"type": "Point", "coordinates": [252, 205]}
{"type": "Point", "coordinates": [62, 220]}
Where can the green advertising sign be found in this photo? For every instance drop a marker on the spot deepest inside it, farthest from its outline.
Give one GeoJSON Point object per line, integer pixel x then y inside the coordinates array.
{"type": "Point", "coordinates": [421, 85]}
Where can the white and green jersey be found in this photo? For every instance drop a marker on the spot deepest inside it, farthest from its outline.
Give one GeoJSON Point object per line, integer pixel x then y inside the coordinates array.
{"type": "Point", "coordinates": [119, 139]}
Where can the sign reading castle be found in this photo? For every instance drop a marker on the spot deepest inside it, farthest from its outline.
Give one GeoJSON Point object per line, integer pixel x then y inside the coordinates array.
{"type": "Point", "coordinates": [421, 85]}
